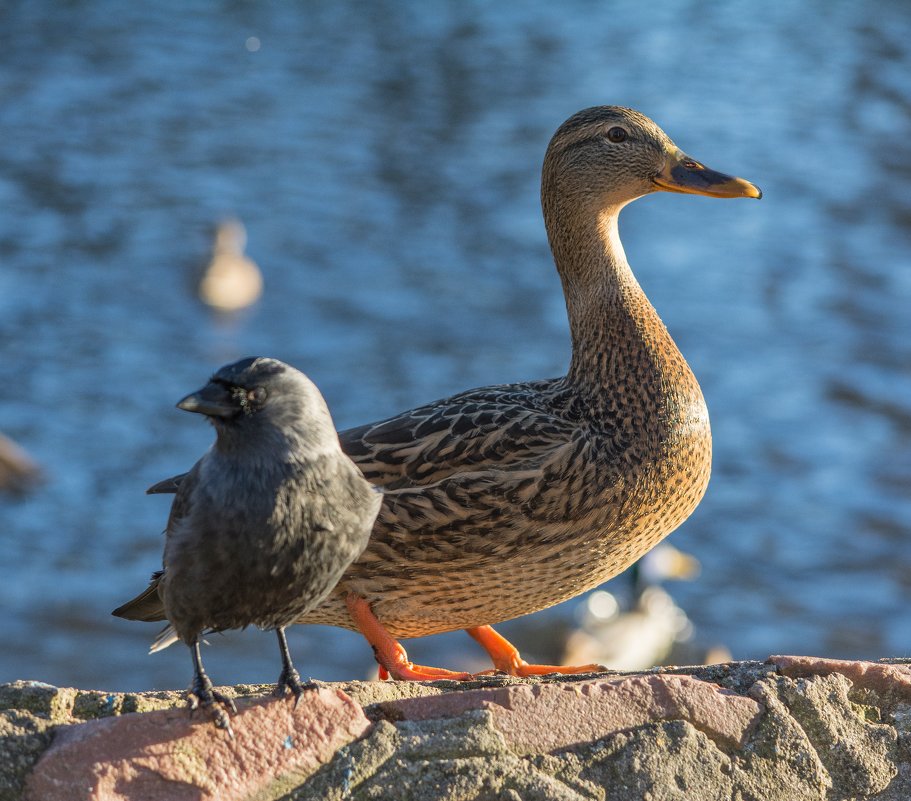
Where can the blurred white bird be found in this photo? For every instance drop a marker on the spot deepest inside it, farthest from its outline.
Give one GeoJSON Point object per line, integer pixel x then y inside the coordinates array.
{"type": "Point", "coordinates": [18, 472]}
{"type": "Point", "coordinates": [231, 281]}
{"type": "Point", "coordinates": [644, 635]}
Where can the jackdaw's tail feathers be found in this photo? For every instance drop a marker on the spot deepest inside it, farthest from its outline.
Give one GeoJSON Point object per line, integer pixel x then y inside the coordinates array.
{"type": "Point", "coordinates": [167, 636]}
{"type": "Point", "coordinates": [146, 606]}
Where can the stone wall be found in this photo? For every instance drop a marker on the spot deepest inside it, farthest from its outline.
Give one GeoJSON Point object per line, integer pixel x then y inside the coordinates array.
{"type": "Point", "coordinates": [788, 728]}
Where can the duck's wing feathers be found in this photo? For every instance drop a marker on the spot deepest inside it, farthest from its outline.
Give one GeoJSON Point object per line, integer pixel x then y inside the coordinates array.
{"type": "Point", "coordinates": [490, 429]}
{"type": "Point", "coordinates": [478, 514]}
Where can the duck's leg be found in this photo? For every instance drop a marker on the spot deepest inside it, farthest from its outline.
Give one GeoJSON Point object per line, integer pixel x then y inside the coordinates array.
{"type": "Point", "coordinates": [392, 658]}
{"type": "Point", "coordinates": [506, 657]}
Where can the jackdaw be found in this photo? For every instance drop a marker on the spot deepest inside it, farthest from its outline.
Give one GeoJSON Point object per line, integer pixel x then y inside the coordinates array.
{"type": "Point", "coordinates": [264, 524]}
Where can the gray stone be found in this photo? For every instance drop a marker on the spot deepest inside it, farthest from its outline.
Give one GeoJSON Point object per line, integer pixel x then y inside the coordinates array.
{"type": "Point", "coordinates": [23, 738]}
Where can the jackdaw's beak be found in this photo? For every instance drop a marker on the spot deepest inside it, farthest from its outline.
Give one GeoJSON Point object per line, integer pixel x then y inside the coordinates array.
{"type": "Point", "coordinates": [213, 400]}
{"type": "Point", "coordinates": [684, 174]}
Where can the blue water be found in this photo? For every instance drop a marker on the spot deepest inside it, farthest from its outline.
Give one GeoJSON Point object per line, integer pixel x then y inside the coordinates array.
{"type": "Point", "coordinates": [385, 158]}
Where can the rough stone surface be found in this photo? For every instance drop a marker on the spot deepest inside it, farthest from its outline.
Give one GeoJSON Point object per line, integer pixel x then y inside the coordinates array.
{"type": "Point", "coordinates": [794, 727]}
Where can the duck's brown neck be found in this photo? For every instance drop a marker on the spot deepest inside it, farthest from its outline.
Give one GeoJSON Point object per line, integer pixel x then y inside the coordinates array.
{"type": "Point", "coordinates": [620, 345]}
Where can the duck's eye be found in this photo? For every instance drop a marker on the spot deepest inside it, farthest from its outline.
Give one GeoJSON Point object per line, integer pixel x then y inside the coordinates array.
{"type": "Point", "coordinates": [257, 395]}
{"type": "Point", "coordinates": [617, 134]}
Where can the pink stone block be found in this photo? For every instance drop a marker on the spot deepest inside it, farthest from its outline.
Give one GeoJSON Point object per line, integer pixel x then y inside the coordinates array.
{"type": "Point", "coordinates": [870, 675]}
{"type": "Point", "coordinates": [547, 717]}
{"type": "Point", "coordinates": [164, 756]}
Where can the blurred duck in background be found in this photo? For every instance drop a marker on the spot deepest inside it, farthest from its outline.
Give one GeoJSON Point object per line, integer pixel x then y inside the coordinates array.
{"type": "Point", "coordinates": [18, 472]}
{"type": "Point", "coordinates": [231, 281]}
{"type": "Point", "coordinates": [649, 630]}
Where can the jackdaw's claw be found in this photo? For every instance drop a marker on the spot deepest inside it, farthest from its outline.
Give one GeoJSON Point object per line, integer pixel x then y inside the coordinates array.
{"type": "Point", "coordinates": [216, 704]}
{"type": "Point", "coordinates": [291, 680]}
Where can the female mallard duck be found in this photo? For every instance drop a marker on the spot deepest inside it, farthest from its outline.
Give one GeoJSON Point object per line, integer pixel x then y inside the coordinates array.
{"type": "Point", "coordinates": [507, 499]}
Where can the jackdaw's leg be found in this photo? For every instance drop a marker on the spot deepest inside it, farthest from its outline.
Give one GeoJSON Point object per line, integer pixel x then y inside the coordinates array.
{"type": "Point", "coordinates": [289, 677]}
{"type": "Point", "coordinates": [202, 694]}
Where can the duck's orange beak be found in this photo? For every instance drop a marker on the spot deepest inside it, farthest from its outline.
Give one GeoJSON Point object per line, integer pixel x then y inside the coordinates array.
{"type": "Point", "coordinates": [684, 174]}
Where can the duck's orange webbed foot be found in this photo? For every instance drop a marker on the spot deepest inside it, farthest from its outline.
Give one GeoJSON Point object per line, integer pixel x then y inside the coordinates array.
{"type": "Point", "coordinates": [506, 656]}
{"type": "Point", "coordinates": [392, 658]}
